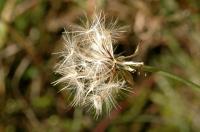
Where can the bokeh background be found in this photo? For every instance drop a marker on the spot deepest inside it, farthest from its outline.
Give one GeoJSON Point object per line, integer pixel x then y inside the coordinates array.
{"type": "Point", "coordinates": [168, 32]}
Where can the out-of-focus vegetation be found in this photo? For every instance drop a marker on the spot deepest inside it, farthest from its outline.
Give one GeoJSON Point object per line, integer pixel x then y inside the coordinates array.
{"type": "Point", "coordinates": [169, 32]}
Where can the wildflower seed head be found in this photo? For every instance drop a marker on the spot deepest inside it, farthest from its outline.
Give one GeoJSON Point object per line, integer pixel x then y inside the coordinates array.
{"type": "Point", "coordinates": [89, 69]}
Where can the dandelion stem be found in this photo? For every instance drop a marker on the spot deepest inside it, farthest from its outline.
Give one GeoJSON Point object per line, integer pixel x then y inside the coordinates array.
{"type": "Point", "coordinates": [170, 75]}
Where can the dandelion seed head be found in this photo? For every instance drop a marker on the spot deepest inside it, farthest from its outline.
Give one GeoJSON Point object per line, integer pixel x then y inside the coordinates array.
{"type": "Point", "coordinates": [89, 68]}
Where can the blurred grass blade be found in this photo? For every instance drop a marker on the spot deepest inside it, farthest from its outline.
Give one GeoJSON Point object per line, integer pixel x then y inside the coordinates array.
{"type": "Point", "coordinates": [170, 75]}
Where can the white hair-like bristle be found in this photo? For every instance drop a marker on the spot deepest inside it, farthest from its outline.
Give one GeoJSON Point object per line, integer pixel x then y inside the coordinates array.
{"type": "Point", "coordinates": [89, 68]}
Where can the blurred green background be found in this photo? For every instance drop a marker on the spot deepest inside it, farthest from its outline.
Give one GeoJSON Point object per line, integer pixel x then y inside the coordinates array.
{"type": "Point", "coordinates": [169, 35]}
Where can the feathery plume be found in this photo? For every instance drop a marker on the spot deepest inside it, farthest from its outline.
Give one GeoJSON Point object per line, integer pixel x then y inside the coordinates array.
{"type": "Point", "coordinates": [89, 69]}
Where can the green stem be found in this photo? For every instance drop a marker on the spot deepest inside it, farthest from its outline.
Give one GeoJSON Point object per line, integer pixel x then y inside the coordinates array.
{"type": "Point", "coordinates": [170, 75]}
